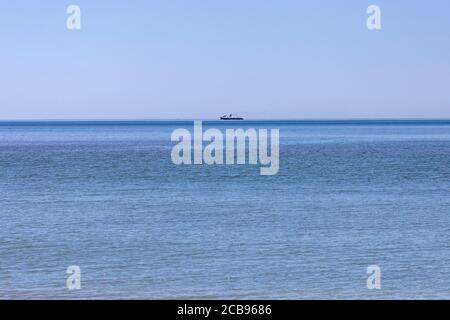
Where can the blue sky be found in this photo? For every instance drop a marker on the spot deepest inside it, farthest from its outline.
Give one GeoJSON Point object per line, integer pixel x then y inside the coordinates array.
{"type": "Point", "coordinates": [200, 59]}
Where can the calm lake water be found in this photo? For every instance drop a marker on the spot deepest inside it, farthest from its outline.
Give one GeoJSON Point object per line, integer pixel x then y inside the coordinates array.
{"type": "Point", "coordinates": [105, 196]}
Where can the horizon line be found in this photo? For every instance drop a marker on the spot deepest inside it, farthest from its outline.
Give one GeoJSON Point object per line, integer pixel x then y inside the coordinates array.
{"type": "Point", "coordinates": [218, 119]}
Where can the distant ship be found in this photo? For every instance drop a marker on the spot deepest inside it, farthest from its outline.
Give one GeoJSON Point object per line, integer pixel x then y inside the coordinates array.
{"type": "Point", "coordinates": [231, 117]}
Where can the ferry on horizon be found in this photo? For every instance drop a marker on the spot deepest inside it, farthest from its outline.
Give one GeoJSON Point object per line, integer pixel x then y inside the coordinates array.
{"type": "Point", "coordinates": [231, 117]}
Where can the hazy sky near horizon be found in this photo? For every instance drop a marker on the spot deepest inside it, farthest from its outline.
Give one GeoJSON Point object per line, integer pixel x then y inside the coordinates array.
{"type": "Point", "coordinates": [179, 59]}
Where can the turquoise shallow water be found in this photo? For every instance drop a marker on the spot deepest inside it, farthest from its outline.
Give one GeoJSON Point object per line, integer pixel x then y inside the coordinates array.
{"type": "Point", "coordinates": [105, 196]}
